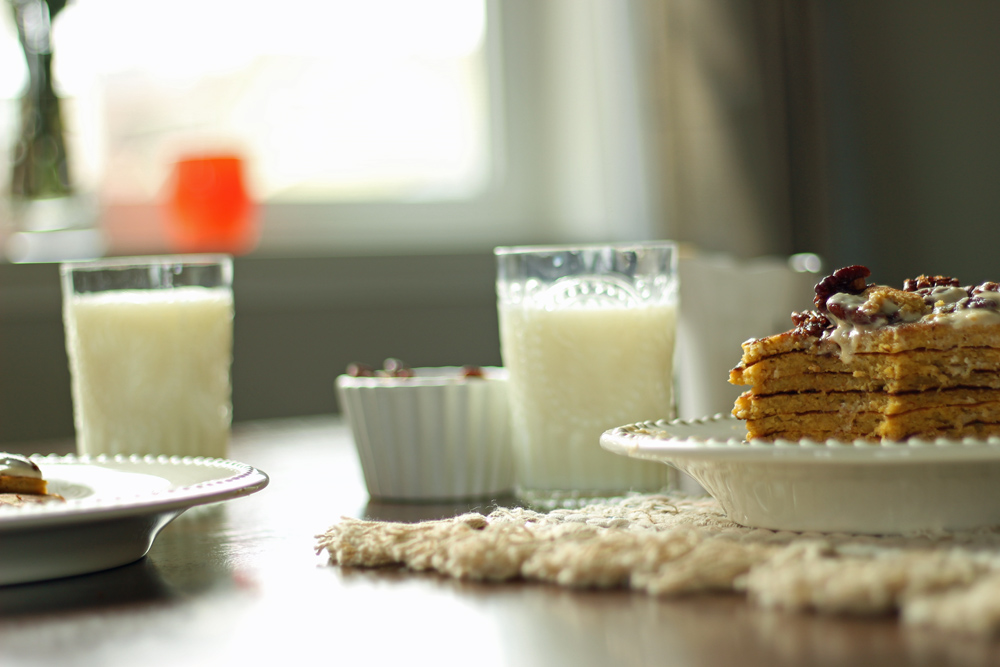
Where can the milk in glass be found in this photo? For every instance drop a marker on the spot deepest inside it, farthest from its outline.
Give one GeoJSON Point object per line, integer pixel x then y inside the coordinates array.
{"type": "Point", "coordinates": [150, 370]}
{"type": "Point", "coordinates": [577, 371]}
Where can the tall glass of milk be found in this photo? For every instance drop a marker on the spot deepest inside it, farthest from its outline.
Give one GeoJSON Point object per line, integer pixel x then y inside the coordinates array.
{"type": "Point", "coordinates": [587, 335]}
{"type": "Point", "coordinates": [150, 342]}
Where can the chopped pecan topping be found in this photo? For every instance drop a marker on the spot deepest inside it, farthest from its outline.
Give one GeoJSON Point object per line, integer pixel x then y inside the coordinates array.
{"type": "Point", "coordinates": [850, 279]}
{"type": "Point", "coordinates": [988, 286]}
{"type": "Point", "coordinates": [810, 323]}
{"type": "Point", "coordinates": [929, 282]}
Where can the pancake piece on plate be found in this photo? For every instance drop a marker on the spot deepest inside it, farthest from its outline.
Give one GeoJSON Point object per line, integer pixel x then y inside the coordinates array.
{"type": "Point", "coordinates": [876, 363]}
{"type": "Point", "coordinates": [21, 481]}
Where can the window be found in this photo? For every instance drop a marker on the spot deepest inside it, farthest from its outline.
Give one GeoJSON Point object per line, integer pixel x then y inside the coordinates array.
{"type": "Point", "coordinates": [333, 100]}
{"type": "Point", "coordinates": [385, 124]}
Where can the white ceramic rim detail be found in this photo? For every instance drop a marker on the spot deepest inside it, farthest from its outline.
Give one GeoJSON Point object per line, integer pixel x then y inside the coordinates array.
{"type": "Point", "coordinates": [721, 437]}
{"type": "Point", "coordinates": [234, 479]}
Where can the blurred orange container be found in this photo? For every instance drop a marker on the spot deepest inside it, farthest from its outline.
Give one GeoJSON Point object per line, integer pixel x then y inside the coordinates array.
{"type": "Point", "coordinates": [208, 206]}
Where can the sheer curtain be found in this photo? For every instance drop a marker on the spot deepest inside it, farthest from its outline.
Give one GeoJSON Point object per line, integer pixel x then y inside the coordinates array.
{"type": "Point", "coordinates": [863, 131]}
{"type": "Point", "coordinates": [738, 123]}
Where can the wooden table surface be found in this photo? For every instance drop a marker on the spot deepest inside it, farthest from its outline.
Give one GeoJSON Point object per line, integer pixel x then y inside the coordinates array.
{"type": "Point", "coordinates": [240, 583]}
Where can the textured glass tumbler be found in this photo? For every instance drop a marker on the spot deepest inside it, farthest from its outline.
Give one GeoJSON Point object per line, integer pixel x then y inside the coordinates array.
{"type": "Point", "coordinates": [150, 341]}
{"type": "Point", "coordinates": [587, 335]}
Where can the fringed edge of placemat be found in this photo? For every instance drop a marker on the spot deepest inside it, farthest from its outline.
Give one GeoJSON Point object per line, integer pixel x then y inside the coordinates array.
{"type": "Point", "coordinates": [674, 546]}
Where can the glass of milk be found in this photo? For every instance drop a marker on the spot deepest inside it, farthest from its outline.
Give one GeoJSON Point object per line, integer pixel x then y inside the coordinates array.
{"type": "Point", "coordinates": [150, 342]}
{"type": "Point", "coordinates": [587, 336]}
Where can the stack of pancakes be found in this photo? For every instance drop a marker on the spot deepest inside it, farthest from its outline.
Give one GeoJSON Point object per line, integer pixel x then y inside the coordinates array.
{"type": "Point", "coordinates": [877, 363]}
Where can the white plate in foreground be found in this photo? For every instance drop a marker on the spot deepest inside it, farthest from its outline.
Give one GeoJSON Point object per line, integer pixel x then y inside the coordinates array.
{"type": "Point", "coordinates": [114, 509]}
{"type": "Point", "coordinates": [832, 486]}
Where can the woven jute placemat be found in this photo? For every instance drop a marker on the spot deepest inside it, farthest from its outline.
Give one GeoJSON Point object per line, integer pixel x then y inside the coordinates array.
{"type": "Point", "coordinates": [676, 546]}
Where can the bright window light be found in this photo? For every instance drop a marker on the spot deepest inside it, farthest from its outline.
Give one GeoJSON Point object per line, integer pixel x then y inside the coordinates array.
{"type": "Point", "coordinates": [330, 100]}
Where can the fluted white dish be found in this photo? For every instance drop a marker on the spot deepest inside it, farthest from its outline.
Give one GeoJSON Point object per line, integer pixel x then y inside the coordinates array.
{"type": "Point", "coordinates": [828, 486]}
{"type": "Point", "coordinates": [434, 436]}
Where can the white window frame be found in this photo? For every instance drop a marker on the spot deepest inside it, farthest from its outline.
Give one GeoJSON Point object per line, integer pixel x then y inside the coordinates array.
{"type": "Point", "coordinates": [505, 211]}
{"type": "Point", "coordinates": [571, 150]}
{"type": "Point", "coordinates": [572, 159]}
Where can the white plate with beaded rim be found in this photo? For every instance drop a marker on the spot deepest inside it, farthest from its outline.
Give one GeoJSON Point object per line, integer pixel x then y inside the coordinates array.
{"type": "Point", "coordinates": [115, 507]}
{"type": "Point", "coordinates": [831, 486]}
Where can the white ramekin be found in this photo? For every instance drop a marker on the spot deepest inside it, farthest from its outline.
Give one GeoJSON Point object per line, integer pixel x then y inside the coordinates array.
{"type": "Point", "coordinates": [434, 436]}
